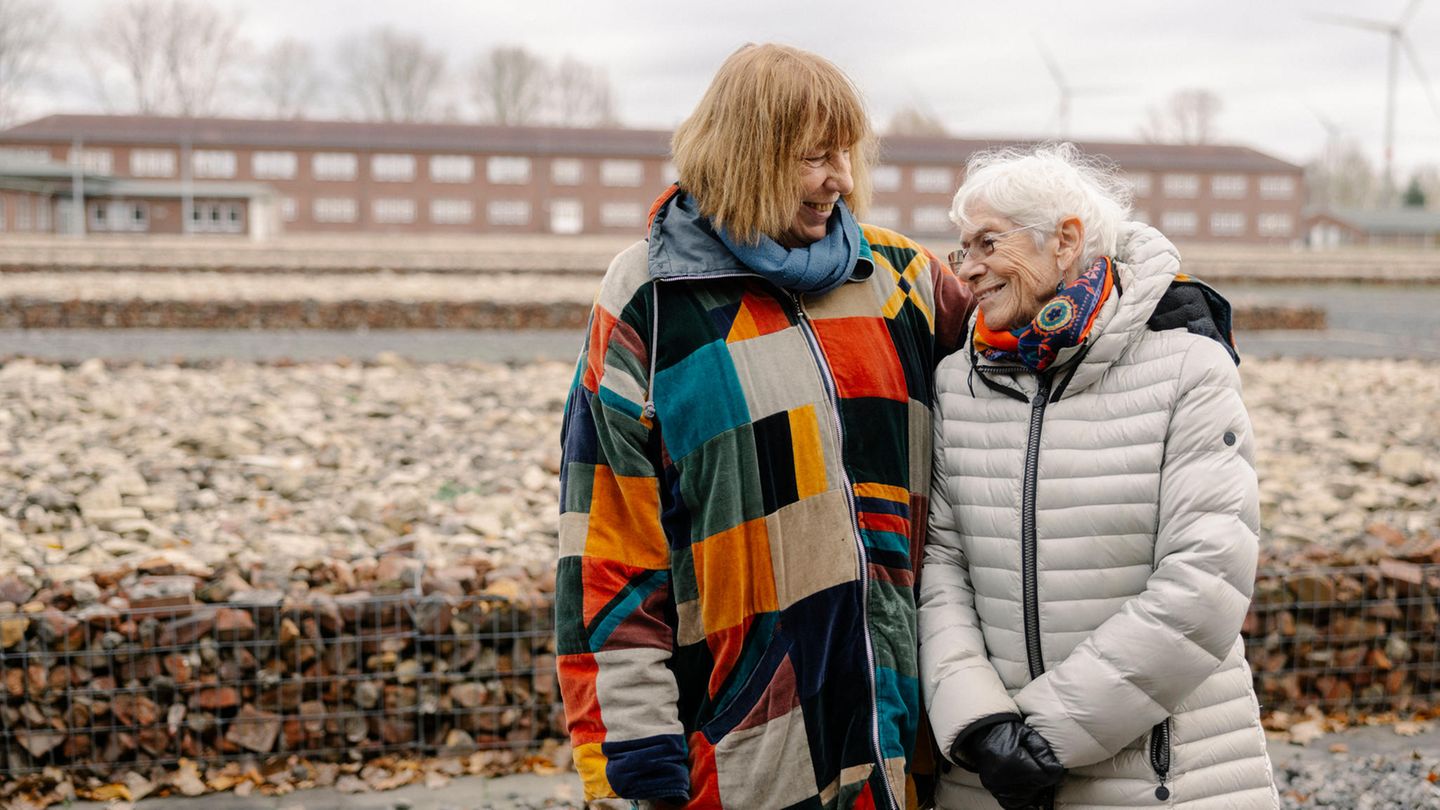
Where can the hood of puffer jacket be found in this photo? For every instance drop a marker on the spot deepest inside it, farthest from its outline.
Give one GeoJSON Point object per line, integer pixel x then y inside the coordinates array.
{"type": "Point", "coordinates": [683, 243]}
{"type": "Point", "coordinates": [1150, 293]}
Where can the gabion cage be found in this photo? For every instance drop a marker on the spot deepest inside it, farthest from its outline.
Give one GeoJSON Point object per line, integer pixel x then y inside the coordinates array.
{"type": "Point", "coordinates": [345, 677]}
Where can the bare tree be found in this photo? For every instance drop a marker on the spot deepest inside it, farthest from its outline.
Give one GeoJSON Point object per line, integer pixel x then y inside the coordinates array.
{"type": "Point", "coordinates": [390, 75]}
{"type": "Point", "coordinates": [1342, 177]}
{"type": "Point", "coordinates": [911, 120]}
{"type": "Point", "coordinates": [25, 28]}
{"type": "Point", "coordinates": [172, 56]}
{"type": "Point", "coordinates": [509, 86]}
{"type": "Point", "coordinates": [581, 95]}
{"type": "Point", "coordinates": [289, 80]}
{"type": "Point", "coordinates": [1187, 116]}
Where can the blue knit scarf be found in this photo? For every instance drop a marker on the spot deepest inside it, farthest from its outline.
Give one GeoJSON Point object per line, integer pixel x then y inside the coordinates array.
{"type": "Point", "coordinates": [816, 268]}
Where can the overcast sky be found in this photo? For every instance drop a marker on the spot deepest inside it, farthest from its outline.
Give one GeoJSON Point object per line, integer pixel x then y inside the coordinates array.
{"type": "Point", "coordinates": [974, 65]}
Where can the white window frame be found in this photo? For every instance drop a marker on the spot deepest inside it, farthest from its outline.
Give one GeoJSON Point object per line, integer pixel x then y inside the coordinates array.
{"type": "Point", "coordinates": [1227, 223]}
{"type": "Point", "coordinates": [392, 210]}
{"type": "Point", "coordinates": [507, 170]}
{"type": "Point", "coordinates": [452, 211]}
{"type": "Point", "coordinates": [335, 167]}
{"type": "Point", "coordinates": [152, 163]}
{"type": "Point", "coordinates": [617, 173]}
{"type": "Point", "coordinates": [271, 165]}
{"type": "Point", "coordinates": [335, 209]}
{"type": "Point", "coordinates": [570, 213]}
{"type": "Point", "coordinates": [932, 179]}
{"type": "Point", "coordinates": [452, 168]}
{"type": "Point", "coordinates": [1229, 186]}
{"type": "Point", "coordinates": [622, 214]}
{"type": "Point", "coordinates": [1274, 223]}
{"type": "Point", "coordinates": [510, 213]}
{"type": "Point", "coordinates": [1179, 223]}
{"type": "Point", "coordinates": [1141, 183]}
{"type": "Point", "coordinates": [886, 177]}
{"type": "Point", "coordinates": [886, 216]}
{"type": "Point", "coordinates": [1277, 187]}
{"type": "Point", "coordinates": [289, 209]}
{"type": "Point", "coordinates": [92, 160]}
{"type": "Point", "coordinates": [212, 164]}
{"type": "Point", "coordinates": [1180, 185]}
{"type": "Point", "coordinates": [567, 172]}
{"type": "Point", "coordinates": [392, 167]}
{"type": "Point", "coordinates": [931, 219]}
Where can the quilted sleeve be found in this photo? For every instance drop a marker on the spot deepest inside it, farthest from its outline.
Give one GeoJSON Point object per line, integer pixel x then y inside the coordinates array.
{"type": "Point", "coordinates": [960, 685]}
{"type": "Point", "coordinates": [1137, 666]}
{"type": "Point", "coordinates": [612, 587]}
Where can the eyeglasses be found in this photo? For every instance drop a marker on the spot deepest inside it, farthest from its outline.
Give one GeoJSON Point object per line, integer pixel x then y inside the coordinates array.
{"type": "Point", "coordinates": [985, 245]}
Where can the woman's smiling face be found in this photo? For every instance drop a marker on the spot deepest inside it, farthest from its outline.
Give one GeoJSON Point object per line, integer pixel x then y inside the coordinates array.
{"type": "Point", "coordinates": [824, 178]}
{"type": "Point", "coordinates": [1008, 275]}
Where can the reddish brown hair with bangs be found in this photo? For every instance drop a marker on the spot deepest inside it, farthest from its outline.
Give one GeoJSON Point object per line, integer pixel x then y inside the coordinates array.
{"type": "Point", "coordinates": [768, 106]}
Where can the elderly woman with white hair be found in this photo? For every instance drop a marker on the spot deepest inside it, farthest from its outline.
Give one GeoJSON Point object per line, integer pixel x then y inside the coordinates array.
{"type": "Point", "coordinates": [1094, 513]}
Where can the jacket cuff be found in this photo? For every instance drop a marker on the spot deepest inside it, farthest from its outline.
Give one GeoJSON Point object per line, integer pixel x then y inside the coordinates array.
{"type": "Point", "coordinates": [974, 728]}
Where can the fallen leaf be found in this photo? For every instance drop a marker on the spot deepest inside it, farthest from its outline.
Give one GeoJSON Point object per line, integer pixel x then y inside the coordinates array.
{"type": "Point", "coordinates": [1339, 748]}
{"type": "Point", "coordinates": [1409, 728]}
{"type": "Point", "coordinates": [106, 793]}
{"type": "Point", "coordinates": [1306, 732]}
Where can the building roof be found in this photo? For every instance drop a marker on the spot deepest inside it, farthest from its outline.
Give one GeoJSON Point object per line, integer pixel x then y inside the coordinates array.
{"type": "Point", "coordinates": [1383, 220]}
{"type": "Point", "coordinates": [237, 132]}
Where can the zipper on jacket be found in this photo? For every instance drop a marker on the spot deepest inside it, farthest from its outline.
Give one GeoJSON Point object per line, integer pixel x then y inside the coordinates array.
{"type": "Point", "coordinates": [1028, 539]}
{"type": "Point", "coordinates": [1160, 756]}
{"type": "Point", "coordinates": [828, 379]}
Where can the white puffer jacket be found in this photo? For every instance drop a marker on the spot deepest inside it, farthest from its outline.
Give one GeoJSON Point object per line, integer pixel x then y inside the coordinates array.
{"type": "Point", "coordinates": [1091, 557]}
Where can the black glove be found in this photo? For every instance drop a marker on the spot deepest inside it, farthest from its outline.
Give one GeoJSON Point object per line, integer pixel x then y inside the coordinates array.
{"type": "Point", "coordinates": [1014, 762]}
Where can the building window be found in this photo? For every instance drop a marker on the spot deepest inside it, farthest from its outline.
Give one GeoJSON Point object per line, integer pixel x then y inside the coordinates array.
{"type": "Point", "coordinates": [213, 163]}
{"type": "Point", "coordinates": [42, 214]}
{"type": "Point", "coordinates": [452, 168]}
{"type": "Point", "coordinates": [1228, 186]}
{"type": "Point", "coordinates": [931, 219]}
{"type": "Point", "coordinates": [626, 173]}
{"type": "Point", "coordinates": [22, 214]}
{"type": "Point", "coordinates": [886, 178]}
{"type": "Point", "coordinates": [567, 216]}
{"type": "Point", "coordinates": [1181, 186]}
{"type": "Point", "coordinates": [335, 209]}
{"type": "Point", "coordinates": [1277, 187]}
{"type": "Point", "coordinates": [622, 215]}
{"type": "Point", "coordinates": [1179, 223]}
{"type": "Point", "coordinates": [25, 154]}
{"type": "Point", "coordinates": [334, 166]}
{"type": "Point", "coordinates": [566, 172]}
{"type": "Point", "coordinates": [152, 163]}
{"type": "Point", "coordinates": [273, 165]}
{"type": "Point", "coordinates": [1276, 224]}
{"type": "Point", "coordinates": [508, 212]}
{"type": "Point", "coordinates": [511, 171]}
{"type": "Point", "coordinates": [216, 217]}
{"type": "Point", "coordinates": [1139, 183]}
{"type": "Point", "coordinates": [289, 210]}
{"type": "Point", "coordinates": [451, 212]}
{"type": "Point", "coordinates": [669, 173]}
{"type": "Point", "coordinates": [392, 168]}
{"type": "Point", "coordinates": [933, 179]}
{"type": "Point", "coordinates": [393, 210]}
{"type": "Point", "coordinates": [93, 161]}
{"type": "Point", "coordinates": [139, 217]}
{"type": "Point", "coordinates": [1227, 223]}
{"type": "Point", "coordinates": [886, 216]}
{"type": "Point", "coordinates": [99, 216]}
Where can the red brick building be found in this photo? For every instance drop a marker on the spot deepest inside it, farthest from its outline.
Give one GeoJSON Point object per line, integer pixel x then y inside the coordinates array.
{"type": "Point", "coordinates": [344, 176]}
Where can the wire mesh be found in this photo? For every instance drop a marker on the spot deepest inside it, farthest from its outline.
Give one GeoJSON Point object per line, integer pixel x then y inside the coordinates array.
{"type": "Point", "coordinates": [339, 678]}
{"type": "Point", "coordinates": [1365, 638]}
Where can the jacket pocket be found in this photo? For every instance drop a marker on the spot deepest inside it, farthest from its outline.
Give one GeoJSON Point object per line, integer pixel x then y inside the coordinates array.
{"type": "Point", "coordinates": [744, 699]}
{"type": "Point", "coordinates": [1160, 757]}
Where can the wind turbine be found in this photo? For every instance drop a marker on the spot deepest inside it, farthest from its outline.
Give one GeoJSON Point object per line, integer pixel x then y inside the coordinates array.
{"type": "Point", "coordinates": [1067, 91]}
{"type": "Point", "coordinates": [1395, 32]}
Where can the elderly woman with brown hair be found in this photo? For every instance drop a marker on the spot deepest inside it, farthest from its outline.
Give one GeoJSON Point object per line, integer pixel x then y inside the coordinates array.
{"type": "Point", "coordinates": [746, 463]}
{"type": "Point", "coordinates": [1095, 512]}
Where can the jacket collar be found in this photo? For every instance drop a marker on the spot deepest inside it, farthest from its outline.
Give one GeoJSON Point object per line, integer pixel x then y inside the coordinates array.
{"type": "Point", "coordinates": [684, 245]}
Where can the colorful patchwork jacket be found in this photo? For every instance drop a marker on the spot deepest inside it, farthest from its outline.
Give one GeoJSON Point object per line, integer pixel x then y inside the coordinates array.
{"type": "Point", "coordinates": [743, 498]}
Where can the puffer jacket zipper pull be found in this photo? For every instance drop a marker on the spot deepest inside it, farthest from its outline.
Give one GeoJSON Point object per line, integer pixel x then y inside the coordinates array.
{"type": "Point", "coordinates": [1160, 756]}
